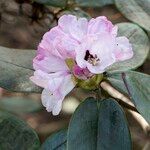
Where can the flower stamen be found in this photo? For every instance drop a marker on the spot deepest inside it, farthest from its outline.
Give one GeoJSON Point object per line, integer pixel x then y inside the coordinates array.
{"type": "Point", "coordinates": [91, 59]}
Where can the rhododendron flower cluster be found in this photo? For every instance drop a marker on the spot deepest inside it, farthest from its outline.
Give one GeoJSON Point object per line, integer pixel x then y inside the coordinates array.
{"type": "Point", "coordinates": [90, 46]}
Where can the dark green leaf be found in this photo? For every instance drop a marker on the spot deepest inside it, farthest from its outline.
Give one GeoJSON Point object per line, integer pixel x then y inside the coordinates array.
{"type": "Point", "coordinates": [98, 125]}
{"type": "Point", "coordinates": [93, 3]}
{"type": "Point", "coordinates": [55, 3]}
{"type": "Point", "coordinates": [140, 44]}
{"type": "Point", "coordinates": [16, 134]}
{"type": "Point", "coordinates": [137, 11]}
{"type": "Point", "coordinates": [56, 142]}
{"type": "Point", "coordinates": [139, 87]}
{"type": "Point", "coordinates": [15, 70]}
{"type": "Point", "coordinates": [19, 105]}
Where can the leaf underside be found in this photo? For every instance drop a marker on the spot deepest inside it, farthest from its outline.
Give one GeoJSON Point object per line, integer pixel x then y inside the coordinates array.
{"type": "Point", "coordinates": [137, 11]}
{"type": "Point", "coordinates": [139, 88]}
{"type": "Point", "coordinates": [56, 141]}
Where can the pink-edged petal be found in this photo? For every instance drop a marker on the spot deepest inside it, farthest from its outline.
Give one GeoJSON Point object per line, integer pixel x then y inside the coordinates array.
{"type": "Point", "coordinates": [46, 46]}
{"type": "Point", "coordinates": [76, 28]}
{"type": "Point", "coordinates": [123, 49]}
{"type": "Point", "coordinates": [52, 34]}
{"type": "Point", "coordinates": [79, 29]}
{"type": "Point", "coordinates": [81, 73]}
{"type": "Point", "coordinates": [61, 82]}
{"type": "Point", "coordinates": [103, 48]}
{"type": "Point", "coordinates": [56, 42]}
{"type": "Point", "coordinates": [102, 45]}
{"type": "Point", "coordinates": [65, 46]}
{"type": "Point", "coordinates": [114, 30]}
{"type": "Point", "coordinates": [99, 25]}
{"type": "Point", "coordinates": [40, 78]}
{"type": "Point", "coordinates": [51, 102]}
{"type": "Point", "coordinates": [102, 65]}
{"type": "Point", "coordinates": [49, 64]}
{"type": "Point", "coordinates": [56, 80]}
{"type": "Point", "coordinates": [80, 54]}
{"type": "Point", "coordinates": [82, 48]}
{"type": "Point", "coordinates": [51, 81]}
{"type": "Point", "coordinates": [67, 85]}
{"type": "Point", "coordinates": [65, 22]}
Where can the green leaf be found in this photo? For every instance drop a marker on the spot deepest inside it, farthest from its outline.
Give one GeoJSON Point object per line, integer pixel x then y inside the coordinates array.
{"type": "Point", "coordinates": [98, 124]}
{"type": "Point", "coordinates": [139, 87]}
{"type": "Point", "coordinates": [16, 68]}
{"type": "Point", "coordinates": [57, 141]}
{"type": "Point", "coordinates": [140, 44]}
{"type": "Point", "coordinates": [93, 3]}
{"type": "Point", "coordinates": [137, 11]}
{"type": "Point", "coordinates": [55, 3]}
{"type": "Point", "coordinates": [15, 134]}
{"type": "Point", "coordinates": [19, 105]}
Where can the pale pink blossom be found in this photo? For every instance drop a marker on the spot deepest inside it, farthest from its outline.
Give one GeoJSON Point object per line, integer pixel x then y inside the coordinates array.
{"type": "Point", "coordinates": [92, 45]}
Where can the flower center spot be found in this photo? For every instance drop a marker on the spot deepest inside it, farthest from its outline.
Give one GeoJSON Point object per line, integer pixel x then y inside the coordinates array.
{"type": "Point", "coordinates": [91, 59]}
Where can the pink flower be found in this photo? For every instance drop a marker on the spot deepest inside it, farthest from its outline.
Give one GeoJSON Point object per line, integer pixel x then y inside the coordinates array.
{"type": "Point", "coordinates": [92, 45]}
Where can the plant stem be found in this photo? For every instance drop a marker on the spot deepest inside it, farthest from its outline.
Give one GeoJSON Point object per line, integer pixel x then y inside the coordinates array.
{"type": "Point", "coordinates": [116, 94]}
{"type": "Point", "coordinates": [125, 100]}
{"type": "Point", "coordinates": [98, 93]}
{"type": "Point", "coordinates": [125, 83]}
{"type": "Point", "coordinates": [143, 123]}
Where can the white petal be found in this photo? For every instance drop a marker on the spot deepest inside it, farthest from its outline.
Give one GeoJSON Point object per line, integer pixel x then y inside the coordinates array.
{"type": "Point", "coordinates": [99, 25]}
{"type": "Point", "coordinates": [56, 80]}
{"type": "Point", "coordinates": [65, 22]}
{"type": "Point", "coordinates": [65, 46]}
{"type": "Point", "coordinates": [80, 54]}
{"type": "Point", "coordinates": [102, 45]}
{"type": "Point", "coordinates": [46, 43]}
{"type": "Point", "coordinates": [57, 108]}
{"type": "Point", "coordinates": [50, 64]}
{"type": "Point", "coordinates": [114, 30]}
{"type": "Point", "coordinates": [103, 48]}
{"type": "Point", "coordinates": [81, 50]}
{"type": "Point", "coordinates": [76, 28]}
{"type": "Point", "coordinates": [123, 49]}
{"type": "Point", "coordinates": [67, 85]}
{"type": "Point", "coordinates": [79, 29]}
{"type": "Point", "coordinates": [51, 102]}
{"type": "Point", "coordinates": [40, 78]}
